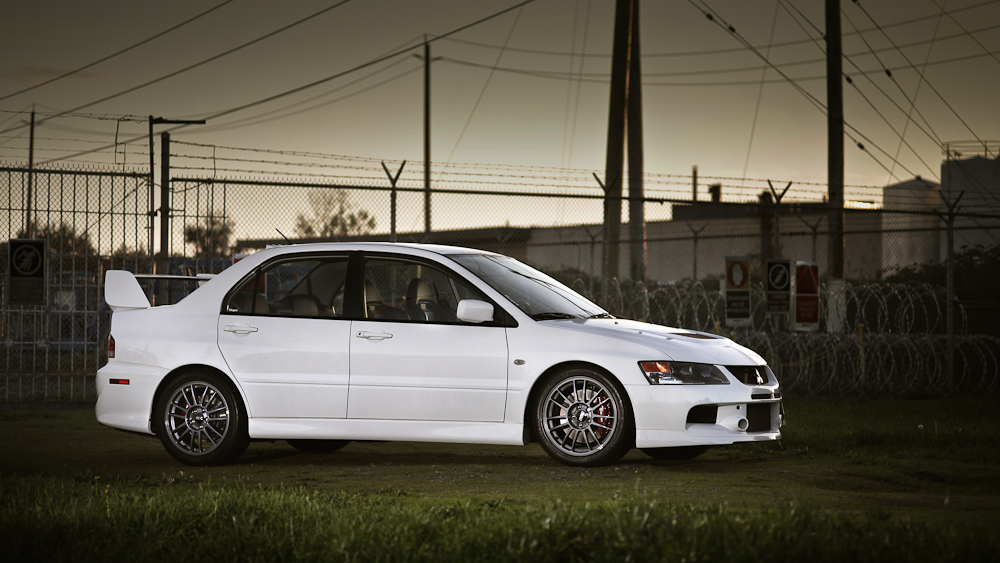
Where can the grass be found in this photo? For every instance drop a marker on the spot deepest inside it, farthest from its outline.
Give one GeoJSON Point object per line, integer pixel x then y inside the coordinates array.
{"type": "Point", "coordinates": [851, 480]}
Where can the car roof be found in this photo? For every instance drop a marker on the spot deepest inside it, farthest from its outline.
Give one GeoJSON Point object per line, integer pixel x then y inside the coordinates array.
{"type": "Point", "coordinates": [383, 246]}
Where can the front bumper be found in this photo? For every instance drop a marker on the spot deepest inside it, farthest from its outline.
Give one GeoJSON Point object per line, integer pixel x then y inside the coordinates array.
{"type": "Point", "coordinates": [742, 413]}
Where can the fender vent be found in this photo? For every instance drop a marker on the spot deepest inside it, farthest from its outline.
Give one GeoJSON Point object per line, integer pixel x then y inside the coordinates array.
{"type": "Point", "coordinates": [703, 414]}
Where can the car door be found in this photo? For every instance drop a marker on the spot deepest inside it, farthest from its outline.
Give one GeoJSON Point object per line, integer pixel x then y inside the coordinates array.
{"type": "Point", "coordinates": [412, 359]}
{"type": "Point", "coordinates": [284, 335]}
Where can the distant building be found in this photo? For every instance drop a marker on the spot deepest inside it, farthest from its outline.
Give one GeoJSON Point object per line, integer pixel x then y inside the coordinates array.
{"type": "Point", "coordinates": [977, 181]}
{"type": "Point", "coordinates": [910, 238]}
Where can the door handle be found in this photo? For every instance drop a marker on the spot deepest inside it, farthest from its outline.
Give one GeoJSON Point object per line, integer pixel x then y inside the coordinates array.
{"type": "Point", "coordinates": [373, 335]}
{"type": "Point", "coordinates": [240, 329]}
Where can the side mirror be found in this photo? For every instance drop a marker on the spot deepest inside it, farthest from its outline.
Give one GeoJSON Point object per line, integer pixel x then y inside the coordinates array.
{"type": "Point", "coordinates": [474, 311]}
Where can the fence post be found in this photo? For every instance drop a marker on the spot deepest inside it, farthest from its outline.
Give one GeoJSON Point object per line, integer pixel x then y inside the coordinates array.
{"type": "Point", "coordinates": [950, 305]}
{"type": "Point", "coordinates": [163, 264]}
{"type": "Point", "coordinates": [392, 199]}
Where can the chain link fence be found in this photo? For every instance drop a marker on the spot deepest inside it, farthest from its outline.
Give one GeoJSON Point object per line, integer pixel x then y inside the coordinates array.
{"type": "Point", "coordinates": [883, 332]}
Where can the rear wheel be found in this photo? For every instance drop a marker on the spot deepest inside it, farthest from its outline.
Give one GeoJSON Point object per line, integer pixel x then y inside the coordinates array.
{"type": "Point", "coordinates": [318, 446]}
{"type": "Point", "coordinates": [582, 419]}
{"type": "Point", "coordinates": [679, 453]}
{"type": "Point", "coordinates": [200, 419]}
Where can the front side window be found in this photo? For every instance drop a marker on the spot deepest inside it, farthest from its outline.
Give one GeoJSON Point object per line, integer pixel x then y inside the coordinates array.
{"type": "Point", "coordinates": [407, 290]}
{"type": "Point", "coordinates": [536, 294]}
{"type": "Point", "coordinates": [297, 287]}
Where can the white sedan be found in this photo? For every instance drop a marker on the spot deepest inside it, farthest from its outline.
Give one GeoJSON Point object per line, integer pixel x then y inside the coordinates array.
{"type": "Point", "coordinates": [322, 344]}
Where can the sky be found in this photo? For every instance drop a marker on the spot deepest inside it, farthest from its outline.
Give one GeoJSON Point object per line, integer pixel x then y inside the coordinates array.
{"type": "Point", "coordinates": [708, 100]}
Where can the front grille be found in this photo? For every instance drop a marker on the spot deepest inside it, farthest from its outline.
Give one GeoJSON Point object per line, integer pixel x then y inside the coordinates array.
{"type": "Point", "coordinates": [749, 375]}
{"type": "Point", "coordinates": [703, 414]}
{"type": "Point", "coordinates": [759, 417]}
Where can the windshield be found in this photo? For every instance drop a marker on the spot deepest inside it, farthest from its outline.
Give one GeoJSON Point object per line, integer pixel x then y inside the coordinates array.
{"type": "Point", "coordinates": [533, 292]}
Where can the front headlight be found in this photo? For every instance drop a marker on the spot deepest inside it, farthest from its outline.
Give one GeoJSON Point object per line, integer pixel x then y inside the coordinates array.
{"type": "Point", "coordinates": [682, 373]}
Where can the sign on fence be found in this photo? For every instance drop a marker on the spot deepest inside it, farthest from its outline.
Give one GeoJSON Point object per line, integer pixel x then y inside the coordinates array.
{"type": "Point", "coordinates": [27, 271]}
{"type": "Point", "coordinates": [806, 296]}
{"type": "Point", "coordinates": [779, 286]}
{"type": "Point", "coordinates": [738, 310]}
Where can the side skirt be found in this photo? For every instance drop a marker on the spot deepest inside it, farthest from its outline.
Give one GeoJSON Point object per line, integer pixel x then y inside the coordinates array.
{"type": "Point", "coordinates": [497, 433]}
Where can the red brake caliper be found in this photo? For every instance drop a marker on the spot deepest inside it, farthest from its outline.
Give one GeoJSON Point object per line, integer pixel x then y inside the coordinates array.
{"type": "Point", "coordinates": [599, 414]}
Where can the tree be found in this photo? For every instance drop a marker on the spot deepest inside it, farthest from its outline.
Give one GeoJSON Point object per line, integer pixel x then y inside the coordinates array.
{"type": "Point", "coordinates": [211, 238]}
{"type": "Point", "coordinates": [334, 217]}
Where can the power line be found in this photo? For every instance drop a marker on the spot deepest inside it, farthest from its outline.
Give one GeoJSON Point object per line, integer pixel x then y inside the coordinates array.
{"type": "Point", "coordinates": [339, 74]}
{"type": "Point", "coordinates": [929, 85]}
{"type": "Point", "coordinates": [559, 75]}
{"type": "Point", "coordinates": [715, 51]}
{"type": "Point", "coordinates": [967, 32]}
{"type": "Point", "coordinates": [866, 74]}
{"type": "Point", "coordinates": [715, 18]}
{"type": "Point", "coordinates": [113, 55]}
{"type": "Point", "coordinates": [257, 120]}
{"type": "Point", "coordinates": [485, 86]}
{"type": "Point", "coordinates": [916, 91]}
{"type": "Point", "coordinates": [204, 62]}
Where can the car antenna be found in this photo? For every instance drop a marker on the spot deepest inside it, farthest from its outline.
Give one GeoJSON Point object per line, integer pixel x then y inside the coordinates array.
{"type": "Point", "coordinates": [283, 236]}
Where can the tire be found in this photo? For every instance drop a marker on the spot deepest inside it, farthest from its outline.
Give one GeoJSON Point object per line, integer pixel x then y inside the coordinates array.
{"type": "Point", "coordinates": [679, 453]}
{"type": "Point", "coordinates": [582, 418]}
{"type": "Point", "coordinates": [200, 419]}
{"type": "Point", "coordinates": [317, 446]}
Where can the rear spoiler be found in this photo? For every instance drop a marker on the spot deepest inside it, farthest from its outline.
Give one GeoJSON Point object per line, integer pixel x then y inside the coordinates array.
{"type": "Point", "coordinates": [123, 293]}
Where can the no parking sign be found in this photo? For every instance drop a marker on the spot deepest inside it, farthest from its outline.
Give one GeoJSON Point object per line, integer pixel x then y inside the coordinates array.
{"type": "Point", "coordinates": [779, 286]}
{"type": "Point", "coordinates": [26, 264]}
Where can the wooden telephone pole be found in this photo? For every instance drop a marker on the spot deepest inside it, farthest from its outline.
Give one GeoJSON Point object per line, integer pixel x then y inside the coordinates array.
{"type": "Point", "coordinates": [625, 114]}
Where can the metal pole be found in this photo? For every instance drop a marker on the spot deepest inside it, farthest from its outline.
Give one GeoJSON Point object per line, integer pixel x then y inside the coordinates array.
{"type": "Point", "coordinates": [427, 137]}
{"type": "Point", "coordinates": [164, 196]}
{"type": "Point", "coordinates": [392, 198]}
{"type": "Point", "coordinates": [636, 190]}
{"type": "Point", "coordinates": [615, 156]}
{"type": "Point", "coordinates": [835, 137]}
{"type": "Point", "coordinates": [152, 199]}
{"type": "Point", "coordinates": [29, 229]}
{"type": "Point", "coordinates": [950, 305]}
{"type": "Point", "coordinates": [777, 216]}
{"type": "Point", "coordinates": [694, 183]}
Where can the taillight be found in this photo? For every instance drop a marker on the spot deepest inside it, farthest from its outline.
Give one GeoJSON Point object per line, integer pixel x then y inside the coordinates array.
{"type": "Point", "coordinates": [111, 346]}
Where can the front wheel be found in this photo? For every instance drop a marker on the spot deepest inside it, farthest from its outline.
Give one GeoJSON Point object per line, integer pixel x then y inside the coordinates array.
{"type": "Point", "coordinates": [200, 420]}
{"type": "Point", "coordinates": [582, 419]}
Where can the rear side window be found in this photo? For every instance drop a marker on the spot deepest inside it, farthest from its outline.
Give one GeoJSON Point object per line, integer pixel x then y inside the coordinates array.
{"type": "Point", "coordinates": [296, 287]}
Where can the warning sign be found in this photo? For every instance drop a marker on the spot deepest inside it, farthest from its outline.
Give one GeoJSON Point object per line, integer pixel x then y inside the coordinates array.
{"type": "Point", "coordinates": [27, 271]}
{"type": "Point", "coordinates": [806, 296]}
{"type": "Point", "coordinates": [738, 310]}
{"type": "Point", "coordinates": [779, 286]}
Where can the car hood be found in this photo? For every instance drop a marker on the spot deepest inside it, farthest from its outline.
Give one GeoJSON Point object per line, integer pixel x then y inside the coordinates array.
{"type": "Point", "coordinates": [676, 344]}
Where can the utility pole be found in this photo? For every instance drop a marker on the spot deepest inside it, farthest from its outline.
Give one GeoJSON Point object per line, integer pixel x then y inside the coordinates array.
{"type": "Point", "coordinates": [427, 138]}
{"type": "Point", "coordinates": [29, 230]}
{"type": "Point", "coordinates": [694, 183]}
{"type": "Point", "coordinates": [615, 156]}
{"type": "Point", "coordinates": [162, 265]}
{"type": "Point", "coordinates": [835, 138]}
{"type": "Point", "coordinates": [636, 169]}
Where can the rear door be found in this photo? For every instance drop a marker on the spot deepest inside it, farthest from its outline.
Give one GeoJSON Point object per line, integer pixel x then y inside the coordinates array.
{"type": "Point", "coordinates": [412, 359]}
{"type": "Point", "coordinates": [284, 335]}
